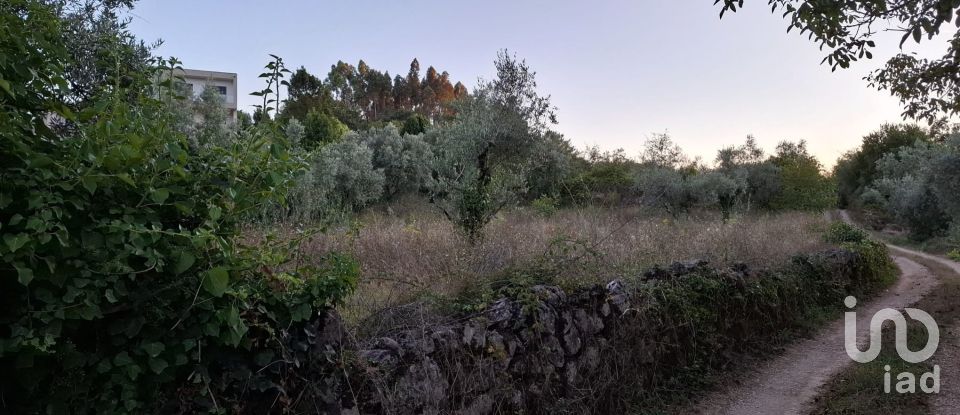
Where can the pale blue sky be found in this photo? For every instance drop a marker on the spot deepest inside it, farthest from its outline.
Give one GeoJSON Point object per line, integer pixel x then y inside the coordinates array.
{"type": "Point", "coordinates": [617, 70]}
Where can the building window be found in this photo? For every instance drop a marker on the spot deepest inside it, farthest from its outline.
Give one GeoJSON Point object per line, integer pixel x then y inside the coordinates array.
{"type": "Point", "coordinates": [222, 90]}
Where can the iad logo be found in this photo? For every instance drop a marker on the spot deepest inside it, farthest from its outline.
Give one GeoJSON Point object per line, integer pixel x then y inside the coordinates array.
{"type": "Point", "coordinates": [906, 381]}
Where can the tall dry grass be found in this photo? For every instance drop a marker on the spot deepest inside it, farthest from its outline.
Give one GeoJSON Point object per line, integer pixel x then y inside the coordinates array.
{"type": "Point", "coordinates": [416, 253]}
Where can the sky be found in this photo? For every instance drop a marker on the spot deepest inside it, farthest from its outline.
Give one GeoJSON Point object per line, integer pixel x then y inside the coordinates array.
{"type": "Point", "coordinates": [617, 70]}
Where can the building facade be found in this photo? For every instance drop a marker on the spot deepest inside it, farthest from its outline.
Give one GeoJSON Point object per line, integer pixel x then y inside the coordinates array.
{"type": "Point", "coordinates": [194, 81]}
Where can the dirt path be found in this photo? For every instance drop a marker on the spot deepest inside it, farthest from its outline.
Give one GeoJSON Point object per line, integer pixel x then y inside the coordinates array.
{"type": "Point", "coordinates": [786, 383]}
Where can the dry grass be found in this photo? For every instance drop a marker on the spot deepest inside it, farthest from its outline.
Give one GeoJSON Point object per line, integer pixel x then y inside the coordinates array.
{"type": "Point", "coordinates": [416, 253]}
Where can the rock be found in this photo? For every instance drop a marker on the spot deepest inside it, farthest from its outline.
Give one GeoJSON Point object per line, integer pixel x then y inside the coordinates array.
{"type": "Point", "coordinates": [681, 268]}
{"type": "Point", "coordinates": [617, 296]}
{"type": "Point", "coordinates": [571, 335]}
{"type": "Point", "coordinates": [500, 312]}
{"type": "Point", "coordinates": [386, 343]}
{"type": "Point", "coordinates": [380, 357]}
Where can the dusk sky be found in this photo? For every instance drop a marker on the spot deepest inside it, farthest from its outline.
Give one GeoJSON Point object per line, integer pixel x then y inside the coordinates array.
{"type": "Point", "coordinates": [616, 70]}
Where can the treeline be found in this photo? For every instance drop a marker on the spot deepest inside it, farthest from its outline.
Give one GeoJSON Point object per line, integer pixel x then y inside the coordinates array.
{"type": "Point", "coordinates": [907, 175]}
{"type": "Point", "coordinates": [473, 154]}
{"type": "Point", "coordinates": [360, 96]}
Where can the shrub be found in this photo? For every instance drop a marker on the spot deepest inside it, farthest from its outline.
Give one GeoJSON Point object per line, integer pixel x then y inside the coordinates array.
{"type": "Point", "coordinates": [954, 255]}
{"type": "Point", "coordinates": [321, 128]}
{"type": "Point", "coordinates": [124, 277]}
{"type": "Point", "coordinates": [546, 206]}
{"type": "Point", "coordinates": [842, 232]}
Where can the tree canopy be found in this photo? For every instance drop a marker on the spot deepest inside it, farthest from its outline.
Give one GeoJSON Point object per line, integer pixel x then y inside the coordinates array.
{"type": "Point", "coordinates": [928, 89]}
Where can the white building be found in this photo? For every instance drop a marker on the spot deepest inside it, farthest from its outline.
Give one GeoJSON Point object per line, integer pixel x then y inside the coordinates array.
{"type": "Point", "coordinates": [195, 81]}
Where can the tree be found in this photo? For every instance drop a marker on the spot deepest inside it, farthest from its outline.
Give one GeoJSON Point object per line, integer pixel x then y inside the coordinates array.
{"type": "Point", "coordinates": [210, 119]}
{"type": "Point", "coordinates": [804, 187]}
{"type": "Point", "coordinates": [345, 177]}
{"type": "Point", "coordinates": [715, 189]}
{"type": "Point", "coordinates": [481, 154]}
{"type": "Point", "coordinates": [321, 128]}
{"type": "Point", "coordinates": [664, 188]}
{"type": "Point", "coordinates": [404, 159]}
{"type": "Point", "coordinates": [745, 164]}
{"type": "Point", "coordinates": [659, 150]}
{"type": "Point", "coordinates": [928, 89]}
{"type": "Point", "coordinates": [857, 170]}
{"type": "Point", "coordinates": [294, 131]}
{"type": "Point", "coordinates": [102, 51]}
{"type": "Point", "coordinates": [415, 124]}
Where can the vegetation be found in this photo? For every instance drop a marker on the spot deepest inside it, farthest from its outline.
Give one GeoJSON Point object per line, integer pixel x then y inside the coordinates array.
{"type": "Point", "coordinates": [143, 271]}
{"type": "Point", "coordinates": [928, 89]}
{"type": "Point", "coordinates": [125, 278]}
{"type": "Point", "coordinates": [911, 180]}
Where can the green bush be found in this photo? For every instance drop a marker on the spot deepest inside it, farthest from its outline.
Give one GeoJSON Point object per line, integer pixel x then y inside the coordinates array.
{"type": "Point", "coordinates": [124, 277]}
{"type": "Point", "coordinates": [545, 206]}
{"type": "Point", "coordinates": [841, 232]}
{"type": "Point", "coordinates": [954, 255]}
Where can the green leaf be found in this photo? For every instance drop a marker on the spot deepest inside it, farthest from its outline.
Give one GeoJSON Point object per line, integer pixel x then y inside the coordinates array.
{"type": "Point", "coordinates": [15, 242]}
{"type": "Point", "coordinates": [24, 274]}
{"type": "Point", "coordinates": [153, 349]}
{"type": "Point", "coordinates": [126, 179]}
{"type": "Point", "coordinates": [5, 85]}
{"type": "Point", "coordinates": [157, 365]}
{"type": "Point", "coordinates": [160, 195]}
{"type": "Point", "coordinates": [184, 263]}
{"type": "Point", "coordinates": [216, 280]}
{"type": "Point", "coordinates": [215, 213]}
{"type": "Point", "coordinates": [89, 183]}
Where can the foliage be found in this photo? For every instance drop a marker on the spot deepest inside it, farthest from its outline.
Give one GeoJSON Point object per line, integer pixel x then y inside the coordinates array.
{"type": "Point", "coordinates": [928, 89]}
{"type": "Point", "coordinates": [211, 125]}
{"type": "Point", "coordinates": [550, 167]}
{"type": "Point", "coordinates": [102, 52]}
{"type": "Point", "coordinates": [714, 188]}
{"type": "Point", "coordinates": [545, 206]}
{"type": "Point", "coordinates": [344, 176]}
{"type": "Point", "coordinates": [124, 275]}
{"type": "Point", "coordinates": [857, 170]}
{"type": "Point", "coordinates": [906, 180]}
{"type": "Point", "coordinates": [664, 188]}
{"type": "Point", "coordinates": [481, 154]}
{"type": "Point", "coordinates": [842, 232]}
{"type": "Point", "coordinates": [804, 187]}
{"type": "Point", "coordinates": [659, 150]}
{"type": "Point", "coordinates": [954, 255]}
{"type": "Point", "coordinates": [604, 175]}
{"type": "Point", "coordinates": [360, 96]}
{"type": "Point", "coordinates": [405, 160]}
{"type": "Point", "coordinates": [415, 124]}
{"type": "Point", "coordinates": [294, 131]}
{"type": "Point", "coordinates": [320, 129]}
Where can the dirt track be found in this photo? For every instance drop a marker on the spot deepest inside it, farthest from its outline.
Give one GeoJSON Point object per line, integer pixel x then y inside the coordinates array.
{"type": "Point", "coordinates": [785, 384]}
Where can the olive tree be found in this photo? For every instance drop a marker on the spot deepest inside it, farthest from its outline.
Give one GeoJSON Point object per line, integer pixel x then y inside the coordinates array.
{"type": "Point", "coordinates": [481, 154]}
{"type": "Point", "coordinates": [404, 159]}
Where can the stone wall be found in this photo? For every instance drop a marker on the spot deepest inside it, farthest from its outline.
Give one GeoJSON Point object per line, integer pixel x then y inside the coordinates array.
{"type": "Point", "coordinates": [558, 350]}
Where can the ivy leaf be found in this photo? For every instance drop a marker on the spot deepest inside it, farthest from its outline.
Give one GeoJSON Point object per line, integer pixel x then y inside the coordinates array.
{"type": "Point", "coordinates": [24, 274]}
{"type": "Point", "coordinates": [157, 365]}
{"type": "Point", "coordinates": [160, 195]}
{"type": "Point", "coordinates": [15, 242]}
{"type": "Point", "coordinates": [89, 183]}
{"type": "Point", "coordinates": [184, 263]}
{"type": "Point", "coordinates": [216, 280]}
{"type": "Point", "coordinates": [153, 349]}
